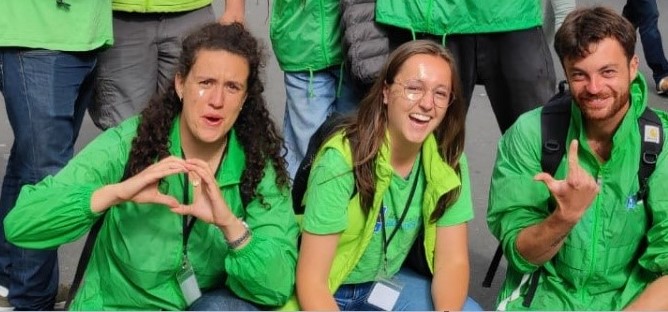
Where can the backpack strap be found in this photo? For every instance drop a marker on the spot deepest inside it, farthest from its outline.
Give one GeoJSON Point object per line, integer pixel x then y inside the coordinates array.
{"type": "Point", "coordinates": [651, 135]}
{"type": "Point", "coordinates": [84, 259]}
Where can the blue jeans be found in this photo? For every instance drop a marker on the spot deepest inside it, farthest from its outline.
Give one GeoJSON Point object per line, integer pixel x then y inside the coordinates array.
{"type": "Point", "coordinates": [644, 15]}
{"type": "Point", "coordinates": [309, 100]}
{"type": "Point", "coordinates": [46, 94]}
{"type": "Point", "coordinates": [415, 295]}
{"type": "Point", "coordinates": [221, 299]}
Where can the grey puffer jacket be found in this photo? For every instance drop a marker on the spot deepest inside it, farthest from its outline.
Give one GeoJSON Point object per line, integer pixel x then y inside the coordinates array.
{"type": "Point", "coordinates": [365, 42]}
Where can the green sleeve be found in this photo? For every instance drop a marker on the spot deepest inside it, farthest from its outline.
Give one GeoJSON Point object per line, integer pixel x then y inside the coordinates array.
{"type": "Point", "coordinates": [462, 210]}
{"type": "Point", "coordinates": [516, 201]}
{"type": "Point", "coordinates": [57, 210]}
{"type": "Point", "coordinates": [330, 187]}
{"type": "Point", "coordinates": [263, 271]}
{"type": "Point", "coordinates": [655, 257]}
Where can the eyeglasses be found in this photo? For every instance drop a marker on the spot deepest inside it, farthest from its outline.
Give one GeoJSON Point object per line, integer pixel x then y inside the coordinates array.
{"type": "Point", "coordinates": [414, 90]}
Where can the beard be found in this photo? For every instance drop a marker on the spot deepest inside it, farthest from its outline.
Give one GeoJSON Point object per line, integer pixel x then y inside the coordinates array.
{"type": "Point", "coordinates": [619, 103]}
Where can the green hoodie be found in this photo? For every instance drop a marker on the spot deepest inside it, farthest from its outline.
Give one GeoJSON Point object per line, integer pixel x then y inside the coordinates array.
{"type": "Point", "coordinates": [441, 17]}
{"type": "Point", "coordinates": [612, 253]}
{"type": "Point", "coordinates": [139, 249]}
{"type": "Point", "coordinates": [158, 6]}
{"type": "Point", "coordinates": [440, 177]}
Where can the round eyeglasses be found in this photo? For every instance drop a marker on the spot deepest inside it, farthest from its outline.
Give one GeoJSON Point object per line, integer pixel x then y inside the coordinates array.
{"type": "Point", "coordinates": [414, 90]}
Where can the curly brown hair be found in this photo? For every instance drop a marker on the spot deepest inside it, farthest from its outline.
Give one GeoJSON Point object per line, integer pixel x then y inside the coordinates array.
{"type": "Point", "coordinates": [366, 132]}
{"type": "Point", "coordinates": [255, 130]}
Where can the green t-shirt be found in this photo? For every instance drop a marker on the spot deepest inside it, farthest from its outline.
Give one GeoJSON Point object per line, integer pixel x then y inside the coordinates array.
{"type": "Point", "coordinates": [330, 189]}
{"type": "Point", "coordinates": [77, 26]}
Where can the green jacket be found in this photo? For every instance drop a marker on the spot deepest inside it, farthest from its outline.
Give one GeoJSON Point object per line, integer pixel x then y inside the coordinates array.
{"type": "Point", "coordinates": [39, 24]}
{"type": "Point", "coordinates": [158, 6]}
{"type": "Point", "coordinates": [306, 35]}
{"type": "Point", "coordinates": [139, 248]}
{"type": "Point", "coordinates": [614, 251]}
{"type": "Point", "coordinates": [440, 177]}
{"type": "Point", "coordinates": [441, 17]}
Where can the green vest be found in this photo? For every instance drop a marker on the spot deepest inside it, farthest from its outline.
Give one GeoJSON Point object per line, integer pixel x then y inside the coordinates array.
{"type": "Point", "coordinates": [440, 178]}
{"type": "Point", "coordinates": [306, 35]}
{"type": "Point", "coordinates": [441, 17]}
{"type": "Point", "coordinates": [158, 6]}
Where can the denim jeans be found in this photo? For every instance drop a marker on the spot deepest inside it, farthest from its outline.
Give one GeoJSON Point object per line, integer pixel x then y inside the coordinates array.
{"type": "Point", "coordinates": [221, 299]}
{"type": "Point", "coordinates": [46, 94]}
{"type": "Point", "coordinates": [309, 100]}
{"type": "Point", "coordinates": [415, 295]}
{"type": "Point", "coordinates": [644, 15]}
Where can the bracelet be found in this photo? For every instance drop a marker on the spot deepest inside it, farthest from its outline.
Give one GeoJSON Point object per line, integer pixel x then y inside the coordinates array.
{"type": "Point", "coordinates": [244, 237]}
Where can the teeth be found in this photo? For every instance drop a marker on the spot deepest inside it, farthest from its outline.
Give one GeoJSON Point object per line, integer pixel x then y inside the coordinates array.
{"type": "Point", "coordinates": [420, 117]}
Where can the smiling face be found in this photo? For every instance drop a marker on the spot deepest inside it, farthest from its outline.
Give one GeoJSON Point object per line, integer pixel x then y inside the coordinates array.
{"type": "Point", "coordinates": [213, 93]}
{"type": "Point", "coordinates": [411, 118]}
{"type": "Point", "coordinates": [600, 81]}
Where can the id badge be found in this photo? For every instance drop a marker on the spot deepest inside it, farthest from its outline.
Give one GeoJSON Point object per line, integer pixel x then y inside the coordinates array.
{"type": "Point", "coordinates": [188, 282]}
{"type": "Point", "coordinates": [384, 294]}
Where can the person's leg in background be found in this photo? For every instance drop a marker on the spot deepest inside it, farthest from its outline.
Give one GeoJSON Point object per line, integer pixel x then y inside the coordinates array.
{"type": "Point", "coordinates": [126, 74]}
{"type": "Point", "coordinates": [644, 15]}
{"type": "Point", "coordinates": [171, 31]}
{"type": "Point", "coordinates": [310, 98]}
{"type": "Point", "coordinates": [44, 95]}
{"type": "Point", "coordinates": [517, 70]}
{"type": "Point", "coordinates": [463, 49]}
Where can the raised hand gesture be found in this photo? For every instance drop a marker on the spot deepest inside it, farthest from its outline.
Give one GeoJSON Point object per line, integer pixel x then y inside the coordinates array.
{"type": "Point", "coordinates": [573, 194]}
{"type": "Point", "coordinates": [208, 204]}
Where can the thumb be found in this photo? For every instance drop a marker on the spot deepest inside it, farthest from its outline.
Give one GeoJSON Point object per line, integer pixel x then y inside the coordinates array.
{"type": "Point", "coordinates": [545, 178]}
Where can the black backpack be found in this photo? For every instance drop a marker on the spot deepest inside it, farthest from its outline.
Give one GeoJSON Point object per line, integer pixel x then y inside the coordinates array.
{"type": "Point", "coordinates": [329, 127]}
{"type": "Point", "coordinates": [555, 119]}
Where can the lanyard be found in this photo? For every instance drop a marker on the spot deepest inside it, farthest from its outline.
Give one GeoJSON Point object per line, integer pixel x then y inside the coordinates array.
{"type": "Point", "coordinates": [386, 241]}
{"type": "Point", "coordinates": [188, 221]}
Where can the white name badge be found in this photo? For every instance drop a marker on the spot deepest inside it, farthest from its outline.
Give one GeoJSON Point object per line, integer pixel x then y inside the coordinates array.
{"type": "Point", "coordinates": [384, 294]}
{"type": "Point", "coordinates": [188, 282]}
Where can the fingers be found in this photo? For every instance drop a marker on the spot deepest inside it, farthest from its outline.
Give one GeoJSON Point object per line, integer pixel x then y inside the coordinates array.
{"type": "Point", "coordinates": [573, 162]}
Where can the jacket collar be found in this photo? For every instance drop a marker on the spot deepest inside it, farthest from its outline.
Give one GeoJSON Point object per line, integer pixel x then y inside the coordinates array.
{"type": "Point", "coordinates": [234, 161]}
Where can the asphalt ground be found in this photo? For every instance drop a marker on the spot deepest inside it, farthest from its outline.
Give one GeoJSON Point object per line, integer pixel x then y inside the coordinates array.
{"type": "Point", "coordinates": [481, 139]}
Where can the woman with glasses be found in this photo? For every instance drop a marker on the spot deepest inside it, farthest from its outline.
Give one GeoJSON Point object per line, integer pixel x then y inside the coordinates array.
{"type": "Point", "coordinates": [391, 176]}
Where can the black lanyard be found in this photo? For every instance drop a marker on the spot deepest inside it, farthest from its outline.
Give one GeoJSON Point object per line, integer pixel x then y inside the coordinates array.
{"type": "Point", "coordinates": [386, 241]}
{"type": "Point", "coordinates": [188, 221]}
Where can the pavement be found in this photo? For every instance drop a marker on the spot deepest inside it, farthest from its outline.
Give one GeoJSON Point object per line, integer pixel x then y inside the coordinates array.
{"type": "Point", "coordinates": [482, 136]}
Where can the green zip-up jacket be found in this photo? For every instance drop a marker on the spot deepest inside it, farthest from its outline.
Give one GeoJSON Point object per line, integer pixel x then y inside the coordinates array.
{"type": "Point", "coordinates": [306, 35]}
{"type": "Point", "coordinates": [440, 178]}
{"type": "Point", "coordinates": [139, 249]}
{"type": "Point", "coordinates": [441, 17]}
{"type": "Point", "coordinates": [619, 245]}
{"type": "Point", "coordinates": [158, 6]}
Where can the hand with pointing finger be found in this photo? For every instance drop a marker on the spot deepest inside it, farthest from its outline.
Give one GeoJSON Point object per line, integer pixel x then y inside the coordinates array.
{"type": "Point", "coordinates": [575, 193]}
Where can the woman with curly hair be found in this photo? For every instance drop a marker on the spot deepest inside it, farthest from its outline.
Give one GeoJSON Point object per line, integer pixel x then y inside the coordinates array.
{"type": "Point", "coordinates": [394, 175]}
{"type": "Point", "coordinates": [193, 192]}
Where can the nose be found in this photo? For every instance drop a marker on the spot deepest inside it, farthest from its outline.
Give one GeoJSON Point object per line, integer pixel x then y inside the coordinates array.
{"type": "Point", "coordinates": [216, 96]}
{"type": "Point", "coordinates": [427, 101]}
{"type": "Point", "coordinates": [593, 84]}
